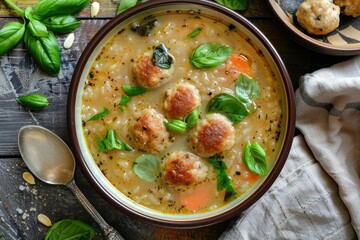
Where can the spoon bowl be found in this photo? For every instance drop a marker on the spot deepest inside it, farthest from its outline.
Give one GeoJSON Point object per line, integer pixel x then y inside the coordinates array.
{"type": "Point", "coordinates": [51, 160]}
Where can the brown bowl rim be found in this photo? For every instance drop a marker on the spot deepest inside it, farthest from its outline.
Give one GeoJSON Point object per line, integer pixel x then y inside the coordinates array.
{"type": "Point", "coordinates": [309, 42]}
{"type": "Point", "coordinates": [172, 223]}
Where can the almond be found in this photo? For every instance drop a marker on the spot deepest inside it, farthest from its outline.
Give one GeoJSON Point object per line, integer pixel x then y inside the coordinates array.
{"type": "Point", "coordinates": [69, 41]}
{"type": "Point", "coordinates": [95, 7]}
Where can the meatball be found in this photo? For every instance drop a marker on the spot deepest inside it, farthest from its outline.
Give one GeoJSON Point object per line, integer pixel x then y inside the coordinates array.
{"type": "Point", "coordinates": [181, 101]}
{"type": "Point", "coordinates": [149, 75]}
{"type": "Point", "coordinates": [213, 135]}
{"type": "Point", "coordinates": [181, 169]}
{"type": "Point", "coordinates": [349, 7]}
{"type": "Point", "coordinates": [149, 132]}
{"type": "Point", "coordinates": [318, 17]}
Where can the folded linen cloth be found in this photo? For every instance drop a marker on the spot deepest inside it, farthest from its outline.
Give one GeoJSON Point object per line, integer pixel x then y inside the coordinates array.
{"type": "Point", "coordinates": [317, 195]}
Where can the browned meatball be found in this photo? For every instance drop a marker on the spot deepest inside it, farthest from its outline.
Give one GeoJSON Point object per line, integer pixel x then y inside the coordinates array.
{"type": "Point", "coordinates": [349, 7]}
{"type": "Point", "coordinates": [213, 135]}
{"type": "Point", "coordinates": [181, 100]}
{"type": "Point", "coordinates": [149, 75]}
{"type": "Point", "coordinates": [149, 132]}
{"type": "Point", "coordinates": [182, 169]}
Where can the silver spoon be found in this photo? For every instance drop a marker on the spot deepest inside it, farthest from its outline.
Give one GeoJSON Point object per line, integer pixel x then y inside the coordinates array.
{"type": "Point", "coordinates": [51, 160]}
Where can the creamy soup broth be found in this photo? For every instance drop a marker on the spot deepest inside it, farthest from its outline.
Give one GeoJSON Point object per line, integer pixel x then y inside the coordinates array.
{"type": "Point", "coordinates": [112, 69]}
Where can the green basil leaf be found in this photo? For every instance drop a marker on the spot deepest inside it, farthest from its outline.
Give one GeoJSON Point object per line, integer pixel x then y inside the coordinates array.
{"type": "Point", "coordinates": [144, 28]}
{"type": "Point", "coordinates": [234, 4]}
{"type": "Point", "coordinates": [10, 35]}
{"type": "Point", "coordinates": [35, 101]}
{"type": "Point", "coordinates": [162, 58]}
{"type": "Point", "coordinates": [99, 115]}
{"type": "Point", "coordinates": [176, 125]}
{"type": "Point", "coordinates": [125, 4]}
{"type": "Point", "coordinates": [70, 229]}
{"type": "Point", "coordinates": [210, 55]}
{"type": "Point", "coordinates": [147, 167]}
{"type": "Point", "coordinates": [62, 24]}
{"type": "Point", "coordinates": [45, 51]}
{"type": "Point", "coordinates": [192, 118]}
{"type": "Point", "coordinates": [255, 158]}
{"type": "Point", "coordinates": [229, 106]}
{"type": "Point", "coordinates": [28, 13]}
{"type": "Point", "coordinates": [124, 100]}
{"type": "Point", "coordinates": [195, 32]}
{"type": "Point", "coordinates": [50, 8]}
{"type": "Point", "coordinates": [110, 142]}
{"type": "Point", "coordinates": [223, 180]}
{"type": "Point", "coordinates": [133, 90]}
{"type": "Point", "coordinates": [247, 90]}
{"type": "Point", "coordinates": [37, 28]}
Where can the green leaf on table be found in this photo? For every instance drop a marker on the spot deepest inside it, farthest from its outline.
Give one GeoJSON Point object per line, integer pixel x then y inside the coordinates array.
{"type": "Point", "coordinates": [62, 24]}
{"type": "Point", "coordinates": [50, 8]}
{"type": "Point", "coordinates": [45, 51]}
{"type": "Point", "coordinates": [223, 180]}
{"type": "Point", "coordinates": [234, 4]}
{"type": "Point", "coordinates": [133, 90]}
{"type": "Point", "coordinates": [195, 32]}
{"type": "Point", "coordinates": [255, 158]}
{"type": "Point", "coordinates": [161, 57]}
{"type": "Point", "coordinates": [110, 142]}
{"type": "Point", "coordinates": [125, 4]}
{"type": "Point", "coordinates": [99, 115]}
{"type": "Point", "coordinates": [229, 106]}
{"type": "Point", "coordinates": [10, 35]}
{"type": "Point", "coordinates": [37, 28]}
{"type": "Point", "coordinates": [247, 90]}
{"type": "Point", "coordinates": [34, 102]}
{"type": "Point", "coordinates": [147, 167]}
{"type": "Point", "coordinates": [210, 55]}
{"type": "Point", "coordinates": [70, 229]}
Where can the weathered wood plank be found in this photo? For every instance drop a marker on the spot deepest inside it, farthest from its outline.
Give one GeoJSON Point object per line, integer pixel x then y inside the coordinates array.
{"type": "Point", "coordinates": [256, 9]}
{"type": "Point", "coordinates": [20, 203]}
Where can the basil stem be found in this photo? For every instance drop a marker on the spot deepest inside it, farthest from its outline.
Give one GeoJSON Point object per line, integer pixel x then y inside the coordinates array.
{"type": "Point", "coordinates": [70, 229]}
{"type": "Point", "coordinates": [10, 35]}
{"type": "Point", "coordinates": [192, 118]}
{"type": "Point", "coordinates": [125, 4]}
{"type": "Point", "coordinates": [255, 158]}
{"type": "Point", "coordinates": [45, 51]}
{"type": "Point", "coordinates": [99, 115]}
{"type": "Point", "coordinates": [162, 58]}
{"type": "Point", "coordinates": [133, 90]}
{"type": "Point", "coordinates": [49, 8]}
{"type": "Point", "coordinates": [209, 55]}
{"type": "Point", "coordinates": [195, 32]}
{"type": "Point", "coordinates": [62, 24]}
{"type": "Point", "coordinates": [229, 106]}
{"type": "Point", "coordinates": [13, 6]}
{"type": "Point", "coordinates": [176, 125]}
{"type": "Point", "coordinates": [223, 180]}
{"type": "Point", "coordinates": [110, 142]}
{"type": "Point", "coordinates": [234, 4]}
{"type": "Point", "coordinates": [35, 102]}
{"type": "Point", "coordinates": [147, 167]}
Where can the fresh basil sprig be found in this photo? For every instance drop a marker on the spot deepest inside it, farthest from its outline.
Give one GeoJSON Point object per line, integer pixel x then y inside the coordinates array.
{"type": "Point", "coordinates": [147, 167]}
{"type": "Point", "coordinates": [133, 90]}
{"type": "Point", "coordinates": [110, 142]}
{"type": "Point", "coordinates": [234, 4]}
{"type": "Point", "coordinates": [99, 115]}
{"type": "Point", "coordinates": [70, 229]}
{"type": "Point", "coordinates": [161, 57]}
{"type": "Point", "coordinates": [35, 101]}
{"type": "Point", "coordinates": [10, 35]}
{"type": "Point", "coordinates": [255, 158]}
{"type": "Point", "coordinates": [126, 4]}
{"type": "Point", "coordinates": [49, 8]}
{"type": "Point", "coordinates": [62, 24]}
{"type": "Point", "coordinates": [223, 180]}
{"type": "Point", "coordinates": [210, 55]}
{"type": "Point", "coordinates": [195, 32]}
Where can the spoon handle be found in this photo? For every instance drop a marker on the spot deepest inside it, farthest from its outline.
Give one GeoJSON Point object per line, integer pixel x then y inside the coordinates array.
{"type": "Point", "coordinates": [109, 232]}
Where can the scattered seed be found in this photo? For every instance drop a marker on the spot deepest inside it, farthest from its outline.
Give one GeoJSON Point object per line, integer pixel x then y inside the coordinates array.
{"type": "Point", "coordinates": [28, 177]}
{"type": "Point", "coordinates": [44, 220]}
{"type": "Point", "coordinates": [69, 41]}
{"type": "Point", "coordinates": [95, 7]}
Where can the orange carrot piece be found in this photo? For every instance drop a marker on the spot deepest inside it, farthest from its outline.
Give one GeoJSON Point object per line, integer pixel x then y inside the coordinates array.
{"type": "Point", "coordinates": [200, 197]}
{"type": "Point", "coordinates": [241, 64]}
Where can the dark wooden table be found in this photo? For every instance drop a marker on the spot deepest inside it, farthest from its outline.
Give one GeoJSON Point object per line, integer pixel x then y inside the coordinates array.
{"type": "Point", "coordinates": [20, 203]}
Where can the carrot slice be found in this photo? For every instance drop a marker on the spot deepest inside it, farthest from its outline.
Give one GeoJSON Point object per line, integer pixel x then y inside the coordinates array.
{"type": "Point", "coordinates": [241, 63]}
{"type": "Point", "coordinates": [200, 197]}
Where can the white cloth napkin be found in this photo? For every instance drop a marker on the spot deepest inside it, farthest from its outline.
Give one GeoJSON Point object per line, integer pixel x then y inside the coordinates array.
{"type": "Point", "coordinates": [317, 195]}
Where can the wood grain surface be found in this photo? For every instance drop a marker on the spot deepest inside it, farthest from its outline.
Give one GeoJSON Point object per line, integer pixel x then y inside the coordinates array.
{"type": "Point", "coordinates": [20, 203]}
